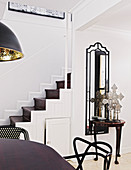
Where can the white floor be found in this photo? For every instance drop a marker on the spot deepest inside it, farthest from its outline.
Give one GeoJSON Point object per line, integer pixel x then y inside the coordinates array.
{"type": "Point", "coordinates": [124, 163]}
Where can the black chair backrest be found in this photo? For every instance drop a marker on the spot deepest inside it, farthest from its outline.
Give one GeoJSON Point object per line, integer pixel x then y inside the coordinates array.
{"type": "Point", "coordinates": [13, 133]}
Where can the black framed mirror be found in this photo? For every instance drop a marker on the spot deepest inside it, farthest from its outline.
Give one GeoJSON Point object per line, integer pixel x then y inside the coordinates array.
{"type": "Point", "coordinates": [97, 85]}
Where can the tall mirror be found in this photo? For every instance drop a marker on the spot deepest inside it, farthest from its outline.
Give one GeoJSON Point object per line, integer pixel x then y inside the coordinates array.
{"type": "Point", "coordinates": [97, 85]}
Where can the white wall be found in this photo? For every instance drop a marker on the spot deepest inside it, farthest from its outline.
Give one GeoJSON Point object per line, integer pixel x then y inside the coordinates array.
{"type": "Point", "coordinates": [120, 68]}
{"type": "Point", "coordinates": [43, 43]}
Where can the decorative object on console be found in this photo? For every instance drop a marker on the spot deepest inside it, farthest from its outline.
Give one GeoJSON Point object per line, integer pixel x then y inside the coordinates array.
{"type": "Point", "coordinates": [113, 100]}
{"type": "Point", "coordinates": [99, 103]}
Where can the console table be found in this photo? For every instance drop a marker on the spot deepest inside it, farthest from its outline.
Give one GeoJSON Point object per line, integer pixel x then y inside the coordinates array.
{"type": "Point", "coordinates": [118, 126]}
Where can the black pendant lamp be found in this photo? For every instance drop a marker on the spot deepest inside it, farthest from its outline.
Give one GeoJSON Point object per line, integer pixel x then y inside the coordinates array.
{"type": "Point", "coordinates": [9, 46]}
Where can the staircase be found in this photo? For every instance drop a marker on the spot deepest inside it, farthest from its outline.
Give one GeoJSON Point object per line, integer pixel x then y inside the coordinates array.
{"type": "Point", "coordinates": [40, 103]}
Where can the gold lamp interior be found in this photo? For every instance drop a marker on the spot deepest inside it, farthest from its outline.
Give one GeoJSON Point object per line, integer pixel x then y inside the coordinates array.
{"type": "Point", "coordinates": [9, 54]}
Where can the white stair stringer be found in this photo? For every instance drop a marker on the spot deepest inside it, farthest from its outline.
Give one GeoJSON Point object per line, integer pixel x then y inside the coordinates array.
{"type": "Point", "coordinates": [41, 93]}
{"type": "Point", "coordinates": [30, 102]}
{"type": "Point", "coordinates": [16, 112]}
{"type": "Point", "coordinates": [34, 95]}
{"type": "Point", "coordinates": [7, 113]}
{"type": "Point", "coordinates": [55, 108]}
{"type": "Point", "coordinates": [21, 103]}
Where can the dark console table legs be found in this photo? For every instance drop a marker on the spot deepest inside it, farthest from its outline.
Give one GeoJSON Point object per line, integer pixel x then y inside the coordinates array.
{"type": "Point", "coordinates": [118, 126]}
{"type": "Point", "coordinates": [118, 141]}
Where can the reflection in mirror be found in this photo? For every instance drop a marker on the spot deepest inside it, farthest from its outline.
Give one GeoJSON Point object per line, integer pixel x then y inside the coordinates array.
{"type": "Point", "coordinates": [97, 85]}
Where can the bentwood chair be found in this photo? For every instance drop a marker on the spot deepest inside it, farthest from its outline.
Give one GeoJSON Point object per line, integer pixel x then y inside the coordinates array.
{"type": "Point", "coordinates": [99, 148]}
{"type": "Point", "coordinates": [102, 149]}
{"type": "Point", "coordinates": [9, 132]}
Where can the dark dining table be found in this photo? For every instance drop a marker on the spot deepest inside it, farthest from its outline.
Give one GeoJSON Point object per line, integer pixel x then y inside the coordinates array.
{"type": "Point", "coordinates": [27, 155]}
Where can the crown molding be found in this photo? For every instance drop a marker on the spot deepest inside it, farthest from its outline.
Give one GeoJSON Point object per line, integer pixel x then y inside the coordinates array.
{"type": "Point", "coordinates": [80, 5]}
{"type": "Point", "coordinates": [89, 10]}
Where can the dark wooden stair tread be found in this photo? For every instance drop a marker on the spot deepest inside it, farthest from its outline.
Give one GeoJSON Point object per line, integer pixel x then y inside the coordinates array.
{"type": "Point", "coordinates": [18, 118]}
{"type": "Point", "coordinates": [40, 103]}
{"type": "Point", "coordinates": [68, 76]}
{"type": "Point", "coordinates": [42, 99]}
{"type": "Point", "coordinates": [52, 93]}
{"type": "Point", "coordinates": [28, 108]}
{"type": "Point", "coordinates": [62, 81]}
{"type": "Point", "coordinates": [51, 90]}
{"type": "Point", "coordinates": [61, 84]}
{"type": "Point", "coordinates": [27, 112]}
{"type": "Point", "coordinates": [14, 119]}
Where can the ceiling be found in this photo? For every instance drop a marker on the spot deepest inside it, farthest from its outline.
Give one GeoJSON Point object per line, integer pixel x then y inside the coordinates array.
{"type": "Point", "coordinates": [117, 17]}
{"type": "Point", "coordinates": [61, 5]}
